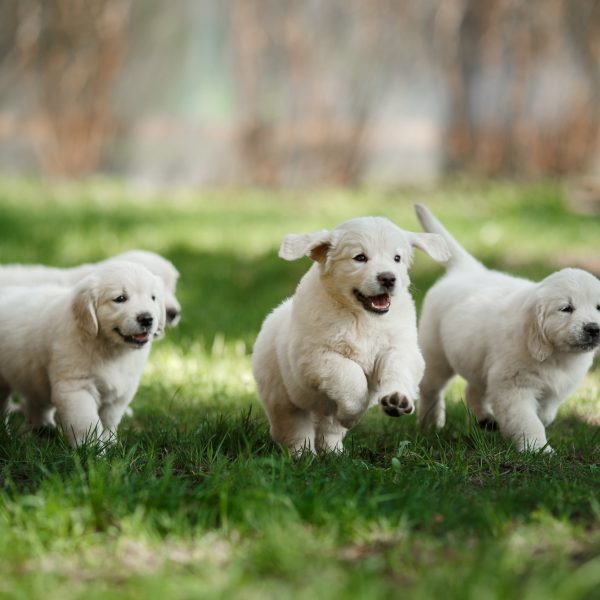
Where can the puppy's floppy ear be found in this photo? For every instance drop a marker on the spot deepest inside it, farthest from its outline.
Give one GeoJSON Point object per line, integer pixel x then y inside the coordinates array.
{"type": "Point", "coordinates": [314, 245]}
{"type": "Point", "coordinates": [84, 304]}
{"type": "Point", "coordinates": [432, 244]}
{"type": "Point", "coordinates": [537, 343]}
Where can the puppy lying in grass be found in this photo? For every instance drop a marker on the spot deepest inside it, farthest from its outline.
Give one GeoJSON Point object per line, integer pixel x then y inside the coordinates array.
{"type": "Point", "coordinates": [347, 339]}
{"type": "Point", "coordinates": [30, 275]}
{"type": "Point", "coordinates": [79, 350]}
{"type": "Point", "coordinates": [522, 346]}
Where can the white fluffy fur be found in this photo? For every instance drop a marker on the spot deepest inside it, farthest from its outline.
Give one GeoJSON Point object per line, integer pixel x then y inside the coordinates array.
{"type": "Point", "coordinates": [321, 358]}
{"type": "Point", "coordinates": [30, 275]}
{"type": "Point", "coordinates": [513, 340]}
{"type": "Point", "coordinates": [60, 348]}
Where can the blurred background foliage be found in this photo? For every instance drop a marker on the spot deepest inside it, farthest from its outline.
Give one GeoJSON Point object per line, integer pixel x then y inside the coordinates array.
{"type": "Point", "coordinates": [290, 92]}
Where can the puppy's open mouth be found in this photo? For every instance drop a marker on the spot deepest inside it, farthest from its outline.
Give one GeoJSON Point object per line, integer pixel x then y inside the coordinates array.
{"type": "Point", "coordinates": [379, 304]}
{"type": "Point", "coordinates": [137, 339]}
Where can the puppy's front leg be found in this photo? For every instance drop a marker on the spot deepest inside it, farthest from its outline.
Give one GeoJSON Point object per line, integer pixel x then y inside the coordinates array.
{"type": "Point", "coordinates": [548, 409]}
{"type": "Point", "coordinates": [515, 410]}
{"type": "Point", "coordinates": [344, 382]}
{"type": "Point", "coordinates": [397, 375]}
{"type": "Point", "coordinates": [77, 412]}
{"type": "Point", "coordinates": [329, 434]}
{"type": "Point", "coordinates": [111, 415]}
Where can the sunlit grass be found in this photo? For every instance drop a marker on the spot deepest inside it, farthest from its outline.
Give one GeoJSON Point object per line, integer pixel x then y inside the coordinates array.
{"type": "Point", "coordinates": [204, 375]}
{"type": "Point", "coordinates": [196, 501]}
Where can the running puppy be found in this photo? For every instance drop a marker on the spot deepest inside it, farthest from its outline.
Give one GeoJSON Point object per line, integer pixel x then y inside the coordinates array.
{"type": "Point", "coordinates": [347, 339]}
{"type": "Point", "coordinates": [522, 346]}
{"type": "Point", "coordinates": [79, 350]}
{"type": "Point", "coordinates": [30, 275]}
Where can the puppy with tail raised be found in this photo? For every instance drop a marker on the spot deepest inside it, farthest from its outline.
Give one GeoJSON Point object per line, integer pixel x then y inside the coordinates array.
{"type": "Point", "coordinates": [347, 339]}
{"type": "Point", "coordinates": [522, 346]}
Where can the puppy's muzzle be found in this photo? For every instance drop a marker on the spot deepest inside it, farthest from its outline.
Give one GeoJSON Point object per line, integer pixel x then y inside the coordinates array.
{"type": "Point", "coordinates": [145, 319]}
{"type": "Point", "coordinates": [387, 280]}
{"type": "Point", "coordinates": [591, 332]}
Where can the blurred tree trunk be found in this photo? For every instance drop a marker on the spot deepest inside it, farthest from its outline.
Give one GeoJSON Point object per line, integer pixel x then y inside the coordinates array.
{"type": "Point", "coordinates": [497, 57]}
{"type": "Point", "coordinates": [293, 114]}
{"type": "Point", "coordinates": [72, 50]}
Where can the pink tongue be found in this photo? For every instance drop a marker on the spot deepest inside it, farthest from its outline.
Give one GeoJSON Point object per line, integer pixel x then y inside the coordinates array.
{"type": "Point", "coordinates": [140, 337]}
{"type": "Point", "coordinates": [381, 301]}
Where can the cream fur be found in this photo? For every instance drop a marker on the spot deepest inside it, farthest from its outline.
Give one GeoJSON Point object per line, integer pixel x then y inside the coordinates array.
{"type": "Point", "coordinates": [321, 358]}
{"type": "Point", "coordinates": [60, 348]}
{"type": "Point", "coordinates": [521, 353]}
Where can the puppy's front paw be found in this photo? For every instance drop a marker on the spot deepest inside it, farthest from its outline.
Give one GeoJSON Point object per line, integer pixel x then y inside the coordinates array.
{"type": "Point", "coordinates": [534, 445]}
{"type": "Point", "coordinates": [396, 405]}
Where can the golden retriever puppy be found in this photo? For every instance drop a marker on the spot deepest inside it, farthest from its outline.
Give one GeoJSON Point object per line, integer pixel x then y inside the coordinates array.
{"type": "Point", "coordinates": [30, 275]}
{"type": "Point", "coordinates": [522, 346]}
{"type": "Point", "coordinates": [79, 350]}
{"type": "Point", "coordinates": [347, 339]}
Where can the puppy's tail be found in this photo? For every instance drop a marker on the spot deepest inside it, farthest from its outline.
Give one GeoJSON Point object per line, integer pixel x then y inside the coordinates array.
{"type": "Point", "coordinates": [458, 255]}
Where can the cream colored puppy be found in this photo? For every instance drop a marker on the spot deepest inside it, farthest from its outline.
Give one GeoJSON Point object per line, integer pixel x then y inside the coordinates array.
{"type": "Point", "coordinates": [30, 275]}
{"type": "Point", "coordinates": [347, 339]}
{"type": "Point", "coordinates": [522, 346]}
{"type": "Point", "coordinates": [79, 350]}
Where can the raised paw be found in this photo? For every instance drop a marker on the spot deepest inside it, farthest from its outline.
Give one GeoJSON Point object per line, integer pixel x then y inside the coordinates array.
{"type": "Point", "coordinates": [396, 405]}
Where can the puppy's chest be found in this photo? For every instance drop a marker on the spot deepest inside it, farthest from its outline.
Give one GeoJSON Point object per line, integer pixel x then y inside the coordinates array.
{"type": "Point", "coordinates": [362, 350]}
{"type": "Point", "coordinates": [558, 380]}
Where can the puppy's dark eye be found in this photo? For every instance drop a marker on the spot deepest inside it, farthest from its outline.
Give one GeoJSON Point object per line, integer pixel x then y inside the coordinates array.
{"type": "Point", "coordinates": [598, 307]}
{"type": "Point", "coordinates": [361, 258]}
{"type": "Point", "coordinates": [397, 258]}
{"type": "Point", "coordinates": [153, 297]}
{"type": "Point", "coordinates": [567, 309]}
{"type": "Point", "coordinates": [120, 299]}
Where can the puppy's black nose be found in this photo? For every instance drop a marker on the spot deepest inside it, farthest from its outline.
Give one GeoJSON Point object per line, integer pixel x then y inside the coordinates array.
{"type": "Point", "coordinates": [145, 319]}
{"type": "Point", "coordinates": [172, 314]}
{"type": "Point", "coordinates": [592, 330]}
{"type": "Point", "coordinates": [387, 280]}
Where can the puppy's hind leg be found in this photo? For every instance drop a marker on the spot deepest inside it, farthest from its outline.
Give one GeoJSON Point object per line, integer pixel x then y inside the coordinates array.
{"type": "Point", "coordinates": [289, 425]}
{"type": "Point", "coordinates": [431, 408]}
{"type": "Point", "coordinates": [39, 414]}
{"type": "Point", "coordinates": [480, 407]}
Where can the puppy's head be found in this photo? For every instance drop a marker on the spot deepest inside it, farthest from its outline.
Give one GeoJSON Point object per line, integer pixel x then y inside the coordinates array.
{"type": "Point", "coordinates": [364, 261]}
{"type": "Point", "coordinates": [120, 302]}
{"type": "Point", "coordinates": [166, 271]}
{"type": "Point", "coordinates": [565, 314]}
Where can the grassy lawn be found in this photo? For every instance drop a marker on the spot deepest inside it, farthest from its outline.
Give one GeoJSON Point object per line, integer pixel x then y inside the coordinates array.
{"type": "Point", "coordinates": [196, 501]}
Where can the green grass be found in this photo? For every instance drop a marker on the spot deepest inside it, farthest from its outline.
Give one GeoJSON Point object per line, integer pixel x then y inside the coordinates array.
{"type": "Point", "coordinates": [196, 501]}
